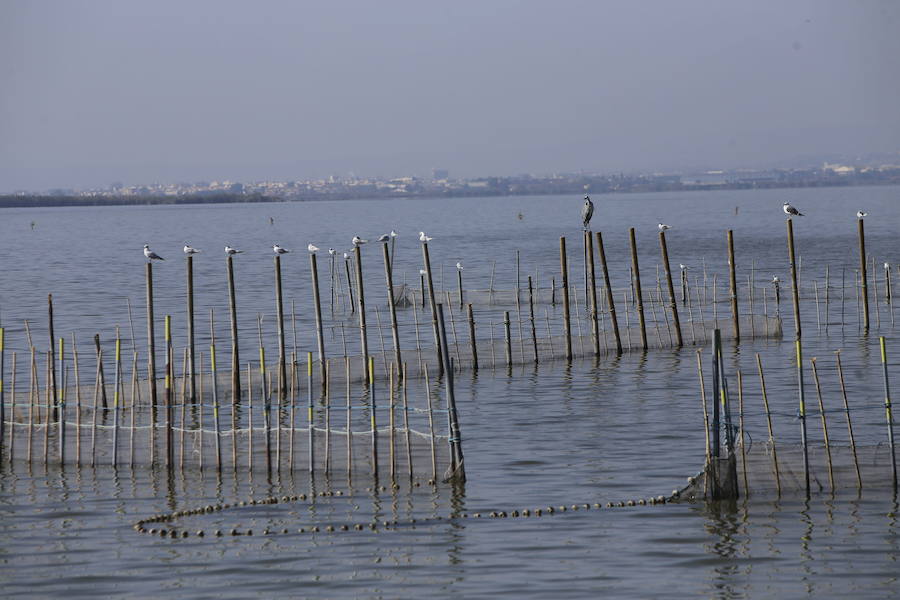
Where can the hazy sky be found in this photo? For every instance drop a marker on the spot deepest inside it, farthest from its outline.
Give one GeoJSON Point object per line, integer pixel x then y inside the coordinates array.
{"type": "Point", "coordinates": [98, 91]}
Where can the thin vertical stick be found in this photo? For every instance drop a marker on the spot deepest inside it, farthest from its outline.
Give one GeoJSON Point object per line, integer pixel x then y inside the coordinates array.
{"type": "Point", "coordinates": [507, 342]}
{"type": "Point", "coordinates": [349, 284]}
{"type": "Point", "coordinates": [765, 397]}
{"type": "Point", "coordinates": [703, 399]}
{"type": "Point", "coordinates": [431, 426]}
{"type": "Point", "coordinates": [592, 297]}
{"type": "Point", "coordinates": [320, 338]}
{"type": "Point", "coordinates": [801, 414]}
{"type": "Point", "coordinates": [183, 403]}
{"type": "Point", "coordinates": [741, 426]}
{"type": "Point", "coordinates": [61, 402]}
{"type": "Point", "coordinates": [48, 406]}
{"type": "Point", "coordinates": [673, 305]}
{"type": "Point", "coordinates": [824, 422]}
{"type": "Point", "coordinates": [115, 449]}
{"type": "Point", "coordinates": [373, 419]}
{"type": "Point", "coordinates": [889, 417]}
{"type": "Point", "coordinates": [733, 288]}
{"type": "Point", "coordinates": [98, 383]}
{"type": "Point", "coordinates": [235, 350]}
{"type": "Point", "coordinates": [472, 343]}
{"type": "Point", "coordinates": [453, 328]}
{"type": "Point", "coordinates": [310, 416]}
{"type": "Point", "coordinates": [534, 343]}
{"type": "Point", "coordinates": [279, 323]}
{"type": "Point", "coordinates": [391, 427]}
{"type": "Point", "coordinates": [250, 418]}
{"type": "Point", "coordinates": [170, 396]}
{"type": "Point", "coordinates": [381, 338]}
{"type": "Point", "coordinates": [349, 423]}
{"type": "Point", "coordinates": [459, 286]}
{"type": "Point", "coordinates": [327, 420]}
{"type": "Point", "coordinates": [215, 399]}
{"type": "Point", "coordinates": [134, 394]}
{"type": "Point", "coordinates": [190, 328]}
{"type": "Point", "coordinates": [12, 415]}
{"type": "Point", "coordinates": [840, 371]}
{"type": "Point", "coordinates": [518, 310]}
{"type": "Point", "coordinates": [434, 324]}
{"type": "Point", "coordinates": [389, 282]}
{"type": "Point", "coordinates": [564, 269]}
{"type": "Point", "coordinates": [409, 464]}
{"type": "Point", "coordinates": [52, 387]}
{"type": "Point", "coordinates": [816, 295]}
{"type": "Point", "coordinates": [457, 462]}
{"type": "Point", "coordinates": [794, 283]}
{"type": "Point", "coordinates": [361, 297]}
{"type": "Point", "coordinates": [636, 274]}
{"type": "Point", "coordinates": [265, 394]}
{"type": "Point", "coordinates": [293, 412]}
{"type": "Point", "coordinates": [491, 284]}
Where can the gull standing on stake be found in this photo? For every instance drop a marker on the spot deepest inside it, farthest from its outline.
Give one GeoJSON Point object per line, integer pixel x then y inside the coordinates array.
{"type": "Point", "coordinates": [663, 226]}
{"type": "Point", "coordinates": [384, 237]}
{"type": "Point", "coordinates": [358, 241]}
{"type": "Point", "coordinates": [424, 238]}
{"type": "Point", "coordinates": [587, 211]}
{"type": "Point", "coordinates": [861, 213]}
{"type": "Point", "coordinates": [232, 251]}
{"type": "Point", "coordinates": [279, 250]}
{"type": "Point", "coordinates": [189, 250]}
{"type": "Point", "coordinates": [313, 249]}
{"type": "Point", "coordinates": [459, 266]}
{"type": "Point", "coordinates": [790, 210]}
{"type": "Point", "coordinates": [150, 254]}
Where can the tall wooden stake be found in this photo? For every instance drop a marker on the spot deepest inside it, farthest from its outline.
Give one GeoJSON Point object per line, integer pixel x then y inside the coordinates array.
{"type": "Point", "coordinates": [235, 350]}
{"type": "Point", "coordinates": [638, 295]}
{"type": "Point", "coordinates": [673, 305]}
{"type": "Point", "coordinates": [434, 324]}
{"type": "Point", "coordinates": [863, 273]}
{"type": "Point", "coordinates": [733, 288]}
{"type": "Point", "coordinates": [363, 337]}
{"type": "Point", "coordinates": [389, 281]}
{"type": "Point", "coordinates": [190, 326]}
{"type": "Point", "coordinates": [564, 268]}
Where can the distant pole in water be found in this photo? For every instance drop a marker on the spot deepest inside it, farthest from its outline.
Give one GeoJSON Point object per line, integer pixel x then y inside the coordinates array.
{"type": "Point", "coordinates": [151, 342]}
{"type": "Point", "coordinates": [361, 297]}
{"type": "Point", "coordinates": [279, 315]}
{"type": "Point", "coordinates": [638, 295]}
{"type": "Point", "coordinates": [320, 335]}
{"type": "Point", "coordinates": [592, 281]}
{"type": "Point", "coordinates": [530, 318]}
{"type": "Point", "coordinates": [507, 339]}
{"type": "Point", "coordinates": [794, 283]}
{"type": "Point", "coordinates": [190, 326]}
{"type": "Point", "coordinates": [170, 396]}
{"type": "Point", "coordinates": [733, 288]}
{"type": "Point", "coordinates": [673, 304]}
{"type": "Point", "coordinates": [801, 413]}
{"type": "Point", "coordinates": [472, 337]}
{"type": "Point", "coordinates": [235, 351]}
{"type": "Point", "coordinates": [53, 388]}
{"type": "Point", "coordinates": [610, 302]}
{"type": "Point", "coordinates": [564, 269]}
{"type": "Point", "coordinates": [457, 469]}
{"type": "Point", "coordinates": [863, 273]}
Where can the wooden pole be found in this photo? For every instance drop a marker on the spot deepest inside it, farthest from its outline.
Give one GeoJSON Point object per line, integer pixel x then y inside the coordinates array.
{"type": "Point", "coordinates": [151, 346]}
{"type": "Point", "coordinates": [863, 273]}
{"type": "Point", "coordinates": [507, 341]}
{"type": "Point", "coordinates": [279, 315]}
{"type": "Point", "coordinates": [639, 296]}
{"type": "Point", "coordinates": [61, 402]}
{"type": "Point", "coordinates": [52, 357]}
{"type": "Point", "coordinates": [169, 396]}
{"type": "Point", "coordinates": [115, 449]}
{"type": "Point", "coordinates": [472, 341]}
{"type": "Point", "coordinates": [534, 343]}
{"type": "Point", "coordinates": [673, 305]}
{"type": "Point", "coordinates": [215, 395]}
{"type": "Point", "coordinates": [431, 426]}
{"type": "Point", "coordinates": [434, 323]}
{"type": "Point", "coordinates": [310, 415]}
{"type": "Point", "coordinates": [361, 297]}
{"type": "Point", "coordinates": [235, 350]}
{"type": "Point", "coordinates": [794, 283]}
{"type": "Point", "coordinates": [801, 413]}
{"type": "Point", "coordinates": [592, 280]}
{"type": "Point", "coordinates": [765, 397]}
{"type": "Point", "coordinates": [703, 400]}
{"type": "Point", "coordinates": [389, 281]}
{"type": "Point", "coordinates": [735, 318]}
{"type": "Point", "coordinates": [815, 373]}
{"type": "Point", "coordinates": [320, 337]}
{"type": "Point", "coordinates": [609, 293]}
{"type": "Point", "coordinates": [349, 286]}
{"type": "Point", "coordinates": [889, 417]}
{"type": "Point", "coordinates": [409, 463]}
{"type": "Point", "coordinates": [457, 464]}
{"type": "Point", "coordinates": [190, 326]}
{"type": "Point", "coordinates": [266, 398]}
{"type": "Point", "coordinates": [459, 286]}
{"type": "Point", "coordinates": [373, 419]}
{"type": "Point", "coordinates": [564, 269]}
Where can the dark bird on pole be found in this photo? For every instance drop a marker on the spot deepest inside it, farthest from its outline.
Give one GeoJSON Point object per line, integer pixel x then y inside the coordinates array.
{"type": "Point", "coordinates": [790, 210]}
{"type": "Point", "coordinates": [587, 211]}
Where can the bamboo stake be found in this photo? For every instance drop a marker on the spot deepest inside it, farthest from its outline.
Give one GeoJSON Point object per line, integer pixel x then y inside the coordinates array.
{"type": "Point", "coordinates": [151, 344]}
{"type": "Point", "coordinates": [733, 291]}
{"type": "Point", "coordinates": [409, 464]}
{"type": "Point", "coordinates": [534, 343]}
{"type": "Point", "coordinates": [12, 412]}
{"type": "Point", "coordinates": [862, 271]}
{"type": "Point", "coordinates": [320, 338]}
{"type": "Point", "coordinates": [434, 324]}
{"type": "Point", "coordinates": [741, 426]}
{"type": "Point", "coordinates": [507, 345]}
{"type": "Point", "coordinates": [457, 463]}
{"type": "Point", "coordinates": [170, 369]}
{"type": "Point", "coordinates": [610, 303]}
{"type": "Point", "coordinates": [361, 297]}
{"type": "Point", "coordinates": [215, 399]}
{"type": "Point", "coordinates": [703, 399]}
{"type": "Point", "coordinates": [52, 387]}
{"type": "Point", "coordinates": [349, 424]}
{"type": "Point", "coordinates": [765, 397]}
{"type": "Point", "coordinates": [840, 371]}
{"type": "Point", "coordinates": [98, 383]}
{"type": "Point", "coordinates": [61, 402]}
{"type": "Point", "coordinates": [431, 426]}
{"type": "Point", "coordinates": [134, 388]}
{"type": "Point", "coordinates": [592, 297]}
{"type": "Point", "coordinates": [453, 328]}
{"type": "Point", "coordinates": [279, 322]}
{"type": "Point", "coordinates": [190, 328]}
{"type": "Point", "coordinates": [389, 282]}
{"type": "Point", "coordinates": [310, 416]}
{"type": "Point", "coordinates": [327, 420]}
{"type": "Point", "coordinates": [293, 412]}
{"type": "Point", "coordinates": [673, 305]}
{"type": "Point", "coordinates": [183, 403]}
{"type": "Point", "coordinates": [235, 349]}
{"type": "Point", "coordinates": [349, 284]}
{"type": "Point", "coordinates": [472, 343]}
{"type": "Point", "coordinates": [250, 419]}
{"type": "Point", "coordinates": [824, 422]}
{"type": "Point", "coordinates": [115, 448]}
{"type": "Point", "coordinates": [48, 406]}
{"type": "Point", "coordinates": [887, 409]}
{"type": "Point", "coordinates": [391, 426]}
{"type": "Point", "coordinates": [265, 396]}
{"type": "Point", "coordinates": [374, 423]}
{"type": "Point", "coordinates": [794, 283]}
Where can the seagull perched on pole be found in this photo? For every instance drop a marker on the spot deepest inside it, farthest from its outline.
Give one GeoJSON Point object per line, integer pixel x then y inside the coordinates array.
{"type": "Point", "coordinates": [775, 279]}
{"type": "Point", "coordinates": [394, 233]}
{"type": "Point", "coordinates": [357, 241]}
{"type": "Point", "coordinates": [423, 272]}
{"type": "Point", "coordinates": [150, 254]}
{"type": "Point", "coordinates": [332, 251]}
{"type": "Point", "coordinates": [313, 249]}
{"type": "Point", "coordinates": [232, 251]}
{"type": "Point", "coordinates": [346, 256]}
{"type": "Point", "coordinates": [861, 213]}
{"type": "Point", "coordinates": [663, 226]}
{"type": "Point", "coordinates": [682, 266]}
{"type": "Point", "coordinates": [189, 250]}
{"type": "Point", "coordinates": [424, 238]}
{"type": "Point", "coordinates": [279, 250]}
{"type": "Point", "coordinates": [384, 237]}
{"type": "Point", "coordinates": [790, 210]}
{"type": "Point", "coordinates": [587, 211]}
{"type": "Point", "coordinates": [459, 266]}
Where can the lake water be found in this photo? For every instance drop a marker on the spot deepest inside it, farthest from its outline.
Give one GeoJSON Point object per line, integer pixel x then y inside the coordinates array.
{"type": "Point", "coordinates": [594, 431]}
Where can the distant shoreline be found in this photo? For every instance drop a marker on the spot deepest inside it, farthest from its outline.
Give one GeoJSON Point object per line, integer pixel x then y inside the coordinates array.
{"type": "Point", "coordinates": [45, 201]}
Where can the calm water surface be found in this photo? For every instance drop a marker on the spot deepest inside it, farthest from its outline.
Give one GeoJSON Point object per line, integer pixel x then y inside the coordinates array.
{"type": "Point", "coordinates": [609, 430]}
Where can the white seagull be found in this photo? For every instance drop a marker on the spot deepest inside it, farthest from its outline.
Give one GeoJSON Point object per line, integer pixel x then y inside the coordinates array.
{"type": "Point", "coordinates": [279, 250]}
{"type": "Point", "coordinates": [332, 251]}
{"type": "Point", "coordinates": [358, 240]}
{"type": "Point", "coordinates": [775, 279]}
{"type": "Point", "coordinates": [188, 249]}
{"type": "Point", "coordinates": [232, 251]}
{"type": "Point", "coordinates": [790, 210]}
{"type": "Point", "coordinates": [459, 266]}
{"type": "Point", "coordinates": [346, 256]}
{"type": "Point", "coordinates": [682, 266]}
{"type": "Point", "coordinates": [150, 254]}
{"type": "Point", "coordinates": [312, 248]}
{"type": "Point", "coordinates": [385, 237]}
{"type": "Point", "coordinates": [423, 237]}
{"type": "Point", "coordinates": [861, 213]}
{"type": "Point", "coordinates": [663, 226]}
{"type": "Point", "coordinates": [423, 272]}
{"type": "Point", "coordinates": [394, 233]}
{"type": "Point", "coordinates": [587, 211]}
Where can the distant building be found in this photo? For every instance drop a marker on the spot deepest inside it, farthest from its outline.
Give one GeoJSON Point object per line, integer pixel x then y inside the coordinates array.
{"type": "Point", "coordinates": [440, 174]}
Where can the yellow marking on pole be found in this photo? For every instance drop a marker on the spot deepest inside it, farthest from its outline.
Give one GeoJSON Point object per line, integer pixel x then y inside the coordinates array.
{"type": "Point", "coordinates": [118, 355]}
{"type": "Point", "coordinates": [212, 356]}
{"type": "Point", "coordinates": [262, 360]}
{"type": "Point", "coordinates": [2, 337]}
{"type": "Point", "coordinates": [309, 364]}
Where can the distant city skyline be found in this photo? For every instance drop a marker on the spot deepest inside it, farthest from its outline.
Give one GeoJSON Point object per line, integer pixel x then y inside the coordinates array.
{"type": "Point", "coordinates": [97, 91]}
